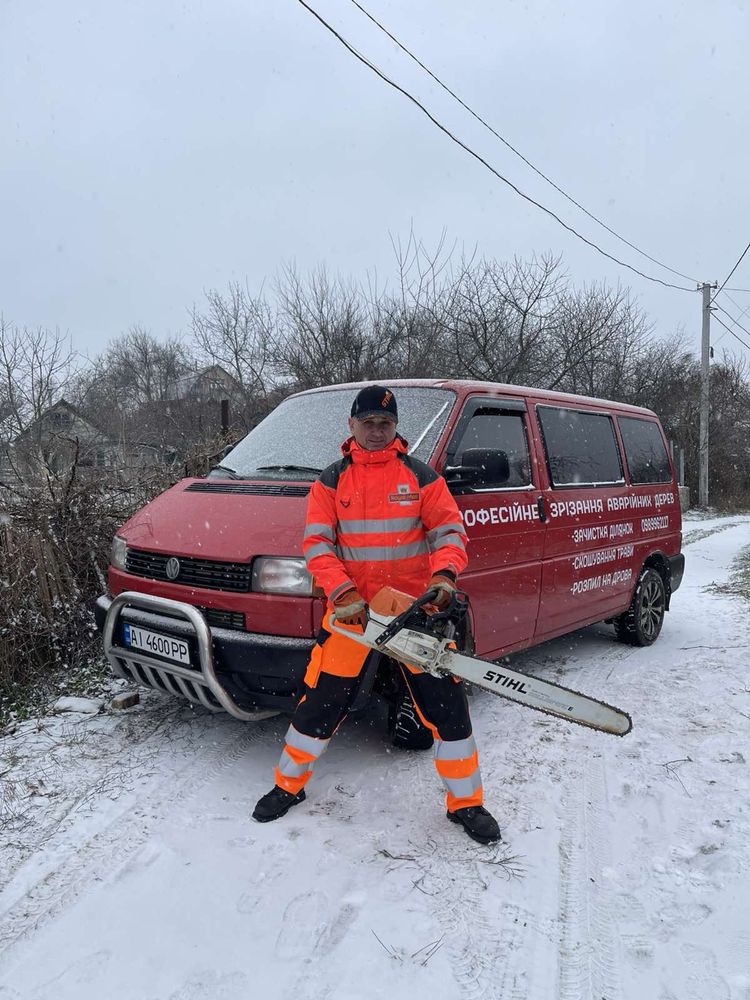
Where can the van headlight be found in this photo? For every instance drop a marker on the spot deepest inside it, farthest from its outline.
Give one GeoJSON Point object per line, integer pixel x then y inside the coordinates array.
{"type": "Point", "coordinates": [118, 554]}
{"type": "Point", "coordinates": [281, 575]}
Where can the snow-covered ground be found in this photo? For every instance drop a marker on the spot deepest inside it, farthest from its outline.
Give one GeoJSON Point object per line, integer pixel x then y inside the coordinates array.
{"type": "Point", "coordinates": [132, 870]}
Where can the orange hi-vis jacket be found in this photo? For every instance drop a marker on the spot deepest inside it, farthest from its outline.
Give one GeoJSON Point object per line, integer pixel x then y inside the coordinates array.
{"type": "Point", "coordinates": [381, 518]}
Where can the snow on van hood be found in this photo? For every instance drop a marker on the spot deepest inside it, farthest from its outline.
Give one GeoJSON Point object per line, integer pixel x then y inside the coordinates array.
{"type": "Point", "coordinates": [224, 526]}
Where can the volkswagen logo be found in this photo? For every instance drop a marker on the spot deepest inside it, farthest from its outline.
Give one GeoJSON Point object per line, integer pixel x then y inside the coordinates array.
{"type": "Point", "coordinates": [173, 568]}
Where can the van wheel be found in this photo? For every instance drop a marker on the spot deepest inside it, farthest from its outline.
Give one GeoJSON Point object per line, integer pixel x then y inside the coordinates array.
{"type": "Point", "coordinates": [642, 622]}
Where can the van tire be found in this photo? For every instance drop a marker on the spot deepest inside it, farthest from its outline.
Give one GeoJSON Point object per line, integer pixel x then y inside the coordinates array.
{"type": "Point", "coordinates": [641, 624]}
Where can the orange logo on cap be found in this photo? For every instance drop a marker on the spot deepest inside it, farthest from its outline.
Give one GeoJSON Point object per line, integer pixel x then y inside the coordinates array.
{"type": "Point", "coordinates": [386, 399]}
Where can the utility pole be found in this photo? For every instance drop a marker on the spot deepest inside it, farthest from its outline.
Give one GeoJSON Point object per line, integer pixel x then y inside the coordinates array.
{"type": "Point", "coordinates": [705, 356]}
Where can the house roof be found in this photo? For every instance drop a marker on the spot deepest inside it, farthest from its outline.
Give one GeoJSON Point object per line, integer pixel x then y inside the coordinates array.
{"type": "Point", "coordinates": [184, 385]}
{"type": "Point", "coordinates": [62, 404]}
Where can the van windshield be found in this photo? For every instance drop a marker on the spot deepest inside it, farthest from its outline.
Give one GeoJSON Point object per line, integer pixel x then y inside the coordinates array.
{"type": "Point", "coordinates": [304, 433]}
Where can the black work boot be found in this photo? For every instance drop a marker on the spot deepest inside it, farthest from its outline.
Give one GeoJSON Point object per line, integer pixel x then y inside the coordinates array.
{"type": "Point", "coordinates": [478, 823]}
{"type": "Point", "coordinates": [275, 804]}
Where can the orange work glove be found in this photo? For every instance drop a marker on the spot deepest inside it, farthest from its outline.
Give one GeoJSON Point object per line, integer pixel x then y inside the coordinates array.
{"type": "Point", "coordinates": [350, 608]}
{"type": "Point", "coordinates": [444, 581]}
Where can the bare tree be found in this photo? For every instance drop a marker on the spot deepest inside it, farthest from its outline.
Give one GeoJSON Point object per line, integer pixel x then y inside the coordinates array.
{"type": "Point", "coordinates": [235, 331]}
{"type": "Point", "coordinates": [143, 369]}
{"type": "Point", "coordinates": [326, 334]}
{"type": "Point", "coordinates": [36, 367]}
{"type": "Point", "coordinates": [132, 392]}
{"type": "Point", "coordinates": [599, 336]}
{"type": "Point", "coordinates": [411, 317]}
{"type": "Point", "coordinates": [499, 316]}
{"type": "Point", "coordinates": [729, 429]}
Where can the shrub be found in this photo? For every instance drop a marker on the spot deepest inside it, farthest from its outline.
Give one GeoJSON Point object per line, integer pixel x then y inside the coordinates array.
{"type": "Point", "coordinates": [55, 539]}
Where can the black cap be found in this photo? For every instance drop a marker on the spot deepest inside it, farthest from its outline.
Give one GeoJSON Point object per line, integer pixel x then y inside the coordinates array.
{"type": "Point", "coordinates": [375, 401]}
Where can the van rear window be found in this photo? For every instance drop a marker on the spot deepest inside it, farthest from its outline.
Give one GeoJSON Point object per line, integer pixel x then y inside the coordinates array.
{"type": "Point", "coordinates": [646, 455]}
{"type": "Point", "coordinates": [581, 447]}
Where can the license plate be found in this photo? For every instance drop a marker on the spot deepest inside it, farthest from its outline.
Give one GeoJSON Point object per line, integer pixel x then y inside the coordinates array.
{"type": "Point", "coordinates": [152, 642]}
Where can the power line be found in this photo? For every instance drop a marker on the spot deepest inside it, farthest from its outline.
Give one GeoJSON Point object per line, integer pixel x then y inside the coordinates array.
{"type": "Point", "coordinates": [737, 306]}
{"type": "Point", "coordinates": [513, 149]}
{"type": "Point", "coordinates": [736, 322]}
{"type": "Point", "coordinates": [363, 59]}
{"type": "Point", "coordinates": [733, 319]}
{"type": "Point", "coordinates": [732, 272]}
{"type": "Point", "coordinates": [729, 330]}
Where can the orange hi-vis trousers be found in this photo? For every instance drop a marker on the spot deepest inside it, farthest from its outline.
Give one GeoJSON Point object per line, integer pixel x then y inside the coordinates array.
{"type": "Point", "coordinates": [331, 680]}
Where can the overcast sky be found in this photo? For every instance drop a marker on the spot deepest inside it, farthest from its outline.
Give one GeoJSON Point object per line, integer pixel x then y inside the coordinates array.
{"type": "Point", "coordinates": [151, 150]}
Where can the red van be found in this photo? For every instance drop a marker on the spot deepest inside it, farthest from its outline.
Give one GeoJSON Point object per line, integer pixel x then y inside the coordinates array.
{"type": "Point", "coordinates": [570, 505]}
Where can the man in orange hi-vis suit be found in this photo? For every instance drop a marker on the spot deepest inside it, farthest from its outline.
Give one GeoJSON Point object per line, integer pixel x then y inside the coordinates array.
{"type": "Point", "coordinates": [377, 518]}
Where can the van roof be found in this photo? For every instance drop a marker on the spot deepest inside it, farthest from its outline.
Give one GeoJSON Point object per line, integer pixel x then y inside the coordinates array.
{"type": "Point", "coordinates": [466, 386]}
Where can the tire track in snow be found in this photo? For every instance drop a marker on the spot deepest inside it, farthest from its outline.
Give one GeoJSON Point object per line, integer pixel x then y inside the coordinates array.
{"type": "Point", "coordinates": [701, 534]}
{"type": "Point", "coordinates": [112, 847]}
{"type": "Point", "coordinates": [111, 770]}
{"type": "Point", "coordinates": [589, 959]}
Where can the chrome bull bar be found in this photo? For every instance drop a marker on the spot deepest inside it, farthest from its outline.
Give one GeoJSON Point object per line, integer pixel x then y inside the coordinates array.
{"type": "Point", "coordinates": [200, 686]}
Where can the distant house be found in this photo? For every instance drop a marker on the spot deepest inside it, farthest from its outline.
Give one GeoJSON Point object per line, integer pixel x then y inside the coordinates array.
{"type": "Point", "coordinates": [211, 383]}
{"type": "Point", "coordinates": [55, 440]}
{"type": "Point", "coordinates": [209, 401]}
{"type": "Point", "coordinates": [160, 432]}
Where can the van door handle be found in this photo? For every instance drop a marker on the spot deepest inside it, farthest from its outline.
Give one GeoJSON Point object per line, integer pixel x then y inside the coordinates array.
{"type": "Point", "coordinates": [540, 509]}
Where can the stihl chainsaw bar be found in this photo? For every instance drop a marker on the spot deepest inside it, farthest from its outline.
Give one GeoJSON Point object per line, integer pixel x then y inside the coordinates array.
{"type": "Point", "coordinates": [417, 644]}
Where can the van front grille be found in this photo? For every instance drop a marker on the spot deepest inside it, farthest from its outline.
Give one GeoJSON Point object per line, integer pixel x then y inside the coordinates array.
{"type": "Point", "coordinates": [206, 573]}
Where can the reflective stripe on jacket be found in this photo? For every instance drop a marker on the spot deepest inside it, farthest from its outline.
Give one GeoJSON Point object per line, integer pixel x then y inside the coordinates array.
{"type": "Point", "coordinates": [381, 518]}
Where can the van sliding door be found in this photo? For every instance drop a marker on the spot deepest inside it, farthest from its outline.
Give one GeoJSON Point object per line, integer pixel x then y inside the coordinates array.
{"type": "Point", "coordinates": [490, 471]}
{"type": "Point", "coordinates": [588, 555]}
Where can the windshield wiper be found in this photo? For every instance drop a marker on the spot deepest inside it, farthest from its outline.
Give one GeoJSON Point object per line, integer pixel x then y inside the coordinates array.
{"type": "Point", "coordinates": [230, 473]}
{"type": "Point", "coordinates": [288, 468]}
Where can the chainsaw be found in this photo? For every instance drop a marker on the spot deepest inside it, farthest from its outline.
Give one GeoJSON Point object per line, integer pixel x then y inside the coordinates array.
{"type": "Point", "coordinates": [425, 640]}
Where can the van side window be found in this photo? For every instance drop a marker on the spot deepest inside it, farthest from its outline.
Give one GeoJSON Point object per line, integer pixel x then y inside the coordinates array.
{"type": "Point", "coordinates": [503, 433]}
{"type": "Point", "coordinates": [644, 450]}
{"type": "Point", "coordinates": [581, 447]}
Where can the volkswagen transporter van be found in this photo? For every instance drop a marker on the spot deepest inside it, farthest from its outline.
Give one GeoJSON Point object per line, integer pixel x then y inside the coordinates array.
{"type": "Point", "coordinates": [570, 505]}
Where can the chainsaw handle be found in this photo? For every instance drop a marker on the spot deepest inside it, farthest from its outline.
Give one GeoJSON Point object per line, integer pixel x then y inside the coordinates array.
{"type": "Point", "coordinates": [331, 622]}
{"type": "Point", "coordinates": [398, 623]}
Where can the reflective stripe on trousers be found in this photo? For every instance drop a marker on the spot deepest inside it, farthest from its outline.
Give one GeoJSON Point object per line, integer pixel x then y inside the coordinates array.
{"type": "Point", "coordinates": [457, 763]}
{"type": "Point", "coordinates": [297, 758]}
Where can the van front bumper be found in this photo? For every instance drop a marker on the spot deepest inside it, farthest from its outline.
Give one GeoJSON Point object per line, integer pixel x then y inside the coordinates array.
{"type": "Point", "coordinates": [248, 674]}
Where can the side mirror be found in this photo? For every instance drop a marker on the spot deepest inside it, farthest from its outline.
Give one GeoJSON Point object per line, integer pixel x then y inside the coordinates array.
{"type": "Point", "coordinates": [479, 467]}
